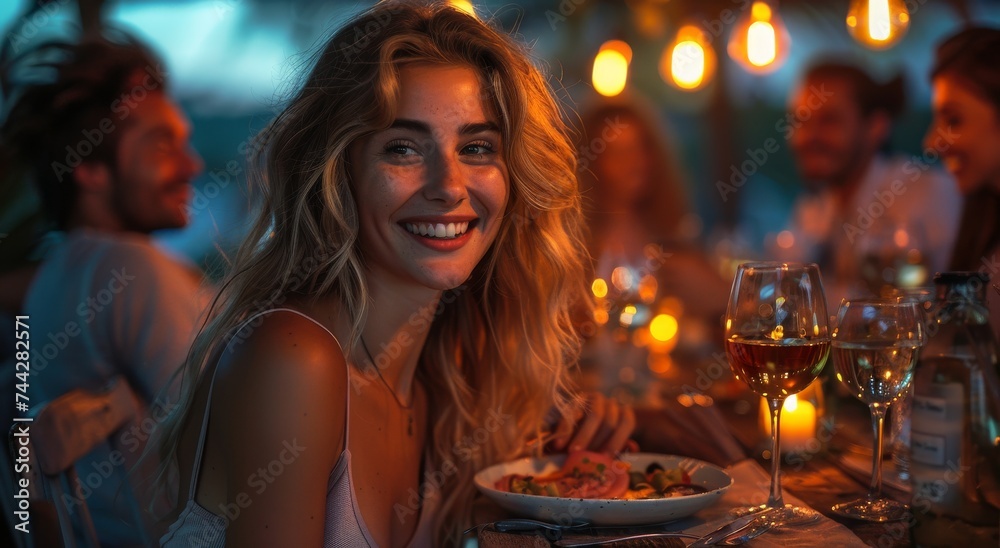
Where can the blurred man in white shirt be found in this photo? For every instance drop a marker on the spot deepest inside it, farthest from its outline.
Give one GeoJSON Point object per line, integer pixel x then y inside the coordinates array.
{"type": "Point", "coordinates": [871, 222]}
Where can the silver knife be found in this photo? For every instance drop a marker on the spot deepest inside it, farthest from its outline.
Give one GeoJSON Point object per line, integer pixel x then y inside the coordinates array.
{"type": "Point", "coordinates": [730, 529]}
{"type": "Point", "coordinates": [729, 534]}
{"type": "Point", "coordinates": [610, 540]}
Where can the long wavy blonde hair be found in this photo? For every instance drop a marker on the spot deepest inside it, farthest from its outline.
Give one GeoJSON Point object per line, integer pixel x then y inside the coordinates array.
{"type": "Point", "coordinates": [504, 345]}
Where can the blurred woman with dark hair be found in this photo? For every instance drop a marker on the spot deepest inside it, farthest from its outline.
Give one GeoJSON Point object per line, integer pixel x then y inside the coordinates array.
{"type": "Point", "coordinates": [966, 131]}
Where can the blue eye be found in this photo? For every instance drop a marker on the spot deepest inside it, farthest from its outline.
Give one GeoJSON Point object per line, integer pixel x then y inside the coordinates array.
{"type": "Point", "coordinates": [400, 148]}
{"type": "Point", "coordinates": [479, 147]}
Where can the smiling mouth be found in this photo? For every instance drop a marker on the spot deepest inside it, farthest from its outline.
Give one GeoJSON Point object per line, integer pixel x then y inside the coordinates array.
{"type": "Point", "coordinates": [440, 231]}
{"type": "Point", "coordinates": [952, 163]}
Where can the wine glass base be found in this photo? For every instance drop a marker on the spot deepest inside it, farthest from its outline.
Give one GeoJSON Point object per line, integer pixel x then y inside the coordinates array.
{"type": "Point", "coordinates": [788, 515]}
{"type": "Point", "coordinates": [878, 510]}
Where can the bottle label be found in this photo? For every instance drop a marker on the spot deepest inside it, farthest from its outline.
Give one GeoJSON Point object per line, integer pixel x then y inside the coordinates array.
{"type": "Point", "coordinates": [931, 408]}
{"type": "Point", "coordinates": [936, 430]}
{"type": "Point", "coordinates": [936, 445]}
{"type": "Point", "coordinates": [927, 449]}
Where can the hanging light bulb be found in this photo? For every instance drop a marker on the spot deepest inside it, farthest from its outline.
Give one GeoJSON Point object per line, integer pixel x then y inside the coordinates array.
{"type": "Point", "coordinates": [611, 67]}
{"type": "Point", "coordinates": [760, 40]}
{"type": "Point", "coordinates": [689, 61]}
{"type": "Point", "coordinates": [464, 5]}
{"type": "Point", "coordinates": [878, 24]}
{"type": "Point", "coordinates": [621, 47]}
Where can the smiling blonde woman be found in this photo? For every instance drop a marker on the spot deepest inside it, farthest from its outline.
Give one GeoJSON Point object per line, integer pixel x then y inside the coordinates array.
{"type": "Point", "coordinates": [419, 205]}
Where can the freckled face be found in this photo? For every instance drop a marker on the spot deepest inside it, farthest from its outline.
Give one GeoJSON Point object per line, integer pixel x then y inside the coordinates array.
{"type": "Point", "coordinates": [966, 132]}
{"type": "Point", "coordinates": [432, 188]}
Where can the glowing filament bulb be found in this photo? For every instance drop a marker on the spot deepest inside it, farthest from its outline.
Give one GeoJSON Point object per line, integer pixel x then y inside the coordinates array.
{"type": "Point", "coordinates": [761, 44]}
{"type": "Point", "coordinates": [610, 72]}
{"type": "Point", "coordinates": [879, 27]}
{"type": "Point", "coordinates": [878, 24]}
{"type": "Point", "coordinates": [464, 5]}
{"type": "Point", "coordinates": [689, 62]}
{"type": "Point", "coordinates": [759, 40]}
{"type": "Point", "coordinates": [687, 65]}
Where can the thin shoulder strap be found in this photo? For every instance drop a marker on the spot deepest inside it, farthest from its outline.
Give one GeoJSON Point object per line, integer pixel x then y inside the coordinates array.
{"type": "Point", "coordinates": [202, 434]}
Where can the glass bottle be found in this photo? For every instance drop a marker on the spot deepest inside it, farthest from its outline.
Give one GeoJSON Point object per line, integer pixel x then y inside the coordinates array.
{"type": "Point", "coordinates": [955, 422]}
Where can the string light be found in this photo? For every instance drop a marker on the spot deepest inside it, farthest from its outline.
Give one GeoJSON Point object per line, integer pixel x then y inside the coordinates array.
{"type": "Point", "coordinates": [464, 5]}
{"type": "Point", "coordinates": [878, 24]}
{"type": "Point", "coordinates": [611, 67]}
{"type": "Point", "coordinates": [689, 61]}
{"type": "Point", "coordinates": [760, 40]}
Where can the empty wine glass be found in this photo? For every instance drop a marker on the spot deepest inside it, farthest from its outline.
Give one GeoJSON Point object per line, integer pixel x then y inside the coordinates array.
{"type": "Point", "coordinates": [875, 346]}
{"type": "Point", "coordinates": [777, 341]}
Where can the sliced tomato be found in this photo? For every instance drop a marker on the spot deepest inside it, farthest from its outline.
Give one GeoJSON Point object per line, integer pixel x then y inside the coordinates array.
{"type": "Point", "coordinates": [619, 486]}
{"type": "Point", "coordinates": [586, 462]}
{"type": "Point", "coordinates": [606, 477]}
{"type": "Point", "coordinates": [584, 474]}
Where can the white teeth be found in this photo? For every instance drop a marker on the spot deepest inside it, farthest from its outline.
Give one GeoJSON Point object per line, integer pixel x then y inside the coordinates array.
{"type": "Point", "coordinates": [438, 230]}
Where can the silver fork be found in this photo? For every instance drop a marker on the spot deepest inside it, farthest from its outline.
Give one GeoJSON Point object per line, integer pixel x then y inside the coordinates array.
{"type": "Point", "coordinates": [740, 536]}
{"type": "Point", "coordinates": [551, 529]}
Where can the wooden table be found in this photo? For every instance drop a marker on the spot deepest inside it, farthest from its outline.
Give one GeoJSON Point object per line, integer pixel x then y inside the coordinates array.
{"type": "Point", "coordinates": [817, 478]}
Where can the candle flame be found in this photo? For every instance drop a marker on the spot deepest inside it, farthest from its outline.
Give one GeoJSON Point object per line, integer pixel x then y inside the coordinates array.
{"type": "Point", "coordinates": [792, 403]}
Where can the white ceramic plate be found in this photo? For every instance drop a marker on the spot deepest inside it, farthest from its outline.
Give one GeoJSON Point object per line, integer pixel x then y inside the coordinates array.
{"type": "Point", "coordinates": [605, 511]}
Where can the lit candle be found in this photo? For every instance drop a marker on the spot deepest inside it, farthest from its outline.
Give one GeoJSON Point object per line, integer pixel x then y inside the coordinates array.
{"type": "Point", "coordinates": [798, 424]}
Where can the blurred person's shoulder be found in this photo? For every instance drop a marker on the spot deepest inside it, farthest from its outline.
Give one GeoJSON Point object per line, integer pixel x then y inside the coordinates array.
{"type": "Point", "coordinates": [905, 174]}
{"type": "Point", "coordinates": [84, 251]}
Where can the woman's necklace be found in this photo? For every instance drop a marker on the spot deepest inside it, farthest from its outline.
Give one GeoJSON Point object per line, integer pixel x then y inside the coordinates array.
{"type": "Point", "coordinates": [407, 408]}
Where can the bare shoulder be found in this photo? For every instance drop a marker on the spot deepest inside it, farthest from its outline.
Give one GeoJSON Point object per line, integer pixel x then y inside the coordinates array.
{"type": "Point", "coordinates": [282, 375]}
{"type": "Point", "coordinates": [279, 419]}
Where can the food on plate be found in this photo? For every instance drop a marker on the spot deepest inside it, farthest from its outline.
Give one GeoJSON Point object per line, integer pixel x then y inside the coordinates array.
{"type": "Point", "coordinates": [589, 475]}
{"type": "Point", "coordinates": [660, 483]}
{"type": "Point", "coordinates": [585, 475]}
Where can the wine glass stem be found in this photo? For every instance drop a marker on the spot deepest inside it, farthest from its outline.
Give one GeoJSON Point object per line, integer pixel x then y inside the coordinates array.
{"type": "Point", "coordinates": [878, 422]}
{"type": "Point", "coordinates": [775, 500]}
